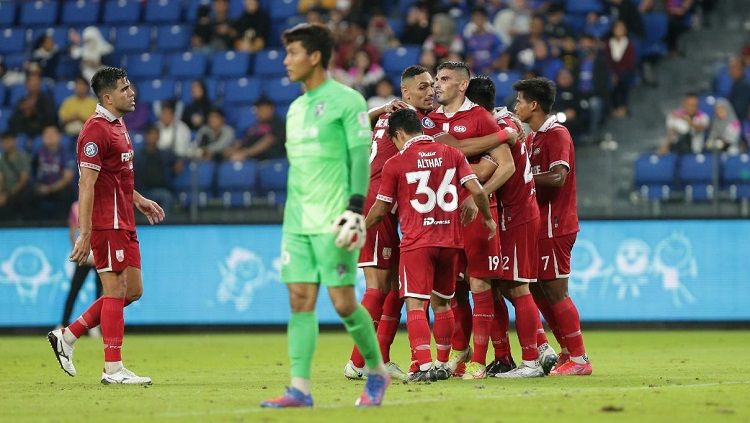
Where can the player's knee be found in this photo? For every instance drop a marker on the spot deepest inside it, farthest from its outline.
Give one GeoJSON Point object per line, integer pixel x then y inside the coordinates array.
{"type": "Point", "coordinates": [134, 296]}
{"type": "Point", "coordinates": [344, 308]}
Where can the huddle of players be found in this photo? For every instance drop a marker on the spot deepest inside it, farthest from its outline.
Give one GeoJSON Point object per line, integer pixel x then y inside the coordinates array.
{"type": "Point", "coordinates": [420, 158]}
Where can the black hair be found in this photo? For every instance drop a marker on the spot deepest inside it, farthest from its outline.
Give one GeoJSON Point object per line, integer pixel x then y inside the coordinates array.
{"type": "Point", "coordinates": [217, 111]}
{"type": "Point", "coordinates": [412, 71]}
{"type": "Point", "coordinates": [541, 90]}
{"type": "Point", "coordinates": [105, 79]}
{"type": "Point", "coordinates": [405, 120]}
{"type": "Point", "coordinates": [263, 100]}
{"type": "Point", "coordinates": [481, 91]}
{"type": "Point", "coordinates": [168, 104]}
{"type": "Point", "coordinates": [456, 66]}
{"type": "Point", "coordinates": [691, 94]}
{"type": "Point", "coordinates": [314, 37]}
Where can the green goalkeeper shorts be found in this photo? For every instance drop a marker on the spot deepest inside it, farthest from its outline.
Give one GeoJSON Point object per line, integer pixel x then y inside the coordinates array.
{"type": "Point", "coordinates": [315, 259]}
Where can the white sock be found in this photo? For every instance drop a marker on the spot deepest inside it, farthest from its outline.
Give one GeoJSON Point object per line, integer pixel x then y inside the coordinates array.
{"type": "Point", "coordinates": [301, 384]}
{"type": "Point", "coordinates": [579, 360]}
{"type": "Point", "coordinates": [531, 363]}
{"type": "Point", "coordinates": [68, 337]}
{"type": "Point", "coordinates": [111, 367]}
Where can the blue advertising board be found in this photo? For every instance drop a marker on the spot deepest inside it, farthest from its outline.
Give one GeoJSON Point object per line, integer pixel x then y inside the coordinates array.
{"type": "Point", "coordinates": [229, 274]}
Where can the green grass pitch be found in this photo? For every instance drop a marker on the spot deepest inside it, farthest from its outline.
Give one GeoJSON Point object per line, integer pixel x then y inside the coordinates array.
{"type": "Point", "coordinates": [659, 376]}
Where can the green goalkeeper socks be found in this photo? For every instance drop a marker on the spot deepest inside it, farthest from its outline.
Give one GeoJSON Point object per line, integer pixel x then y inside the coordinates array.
{"type": "Point", "coordinates": [360, 327]}
{"type": "Point", "coordinates": [302, 336]}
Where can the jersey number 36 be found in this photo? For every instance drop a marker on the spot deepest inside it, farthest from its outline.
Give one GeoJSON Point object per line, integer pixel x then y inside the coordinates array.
{"type": "Point", "coordinates": [441, 197]}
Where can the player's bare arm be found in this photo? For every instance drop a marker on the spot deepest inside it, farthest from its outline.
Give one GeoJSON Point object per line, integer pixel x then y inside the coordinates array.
{"type": "Point", "coordinates": [469, 210]}
{"type": "Point", "coordinates": [377, 213]}
{"type": "Point", "coordinates": [82, 245]}
{"type": "Point", "coordinates": [505, 168]}
{"type": "Point", "coordinates": [555, 177]}
{"type": "Point", "coordinates": [153, 211]}
{"type": "Point", "coordinates": [478, 145]}
{"type": "Point", "coordinates": [480, 198]}
{"type": "Point", "coordinates": [388, 107]}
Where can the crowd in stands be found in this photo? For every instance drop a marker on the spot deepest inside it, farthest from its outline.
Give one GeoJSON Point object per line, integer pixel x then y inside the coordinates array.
{"type": "Point", "coordinates": [596, 50]}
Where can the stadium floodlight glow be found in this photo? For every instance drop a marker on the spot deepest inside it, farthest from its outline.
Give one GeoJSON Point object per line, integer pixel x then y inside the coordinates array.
{"type": "Point", "coordinates": [561, 117]}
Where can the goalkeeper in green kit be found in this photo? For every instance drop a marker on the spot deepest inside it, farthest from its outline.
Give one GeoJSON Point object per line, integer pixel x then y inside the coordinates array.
{"type": "Point", "coordinates": [328, 145]}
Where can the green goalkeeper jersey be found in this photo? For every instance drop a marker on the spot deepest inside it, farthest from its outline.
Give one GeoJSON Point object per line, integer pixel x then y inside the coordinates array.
{"type": "Point", "coordinates": [327, 141]}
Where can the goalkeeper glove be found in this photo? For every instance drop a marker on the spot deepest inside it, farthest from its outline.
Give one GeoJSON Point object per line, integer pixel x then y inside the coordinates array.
{"type": "Point", "coordinates": [349, 228]}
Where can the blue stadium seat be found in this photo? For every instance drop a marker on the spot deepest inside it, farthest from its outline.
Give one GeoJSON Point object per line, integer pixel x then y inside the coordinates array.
{"type": "Point", "coordinates": [655, 24]}
{"type": "Point", "coordinates": [122, 11]}
{"type": "Point", "coordinates": [163, 11]}
{"type": "Point", "coordinates": [395, 60]}
{"type": "Point", "coordinates": [191, 14]}
{"type": "Point", "coordinates": [212, 90]}
{"type": "Point", "coordinates": [655, 175]}
{"type": "Point", "coordinates": [696, 175]}
{"type": "Point", "coordinates": [188, 65]}
{"type": "Point", "coordinates": [173, 38]}
{"type": "Point", "coordinates": [269, 63]}
{"type": "Point", "coordinates": [17, 92]}
{"type": "Point", "coordinates": [281, 90]}
{"type": "Point", "coordinates": [183, 182]}
{"type": "Point", "coordinates": [59, 34]}
{"type": "Point", "coordinates": [551, 68]}
{"type": "Point", "coordinates": [282, 9]}
{"type": "Point", "coordinates": [15, 60]}
{"type": "Point", "coordinates": [4, 117]}
{"type": "Point", "coordinates": [281, 110]}
{"type": "Point", "coordinates": [245, 119]}
{"type": "Point", "coordinates": [3, 94]}
{"type": "Point", "coordinates": [504, 85]}
{"type": "Point", "coordinates": [272, 175]}
{"type": "Point", "coordinates": [242, 91]}
{"type": "Point", "coordinates": [80, 13]}
{"type": "Point", "coordinates": [12, 40]}
{"type": "Point", "coordinates": [67, 68]}
{"type": "Point", "coordinates": [38, 13]}
{"type": "Point", "coordinates": [145, 66]}
{"type": "Point", "coordinates": [62, 90]}
{"type": "Point", "coordinates": [736, 176]}
{"type": "Point", "coordinates": [7, 13]}
{"type": "Point", "coordinates": [230, 64]}
{"type": "Point", "coordinates": [576, 22]}
{"type": "Point", "coordinates": [601, 28]}
{"type": "Point", "coordinates": [583, 6]}
{"type": "Point", "coordinates": [236, 182]}
{"type": "Point", "coordinates": [133, 39]}
{"type": "Point", "coordinates": [236, 7]}
{"type": "Point", "coordinates": [155, 90]}
{"type": "Point", "coordinates": [722, 82]}
{"type": "Point", "coordinates": [706, 104]}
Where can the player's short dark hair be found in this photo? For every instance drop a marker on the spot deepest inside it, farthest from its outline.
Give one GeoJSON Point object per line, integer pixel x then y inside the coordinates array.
{"type": "Point", "coordinates": [314, 37]}
{"type": "Point", "coordinates": [456, 66]}
{"type": "Point", "coordinates": [412, 71]}
{"type": "Point", "coordinates": [105, 79]}
{"type": "Point", "coordinates": [481, 91]}
{"type": "Point", "coordinates": [541, 90]}
{"type": "Point", "coordinates": [405, 120]}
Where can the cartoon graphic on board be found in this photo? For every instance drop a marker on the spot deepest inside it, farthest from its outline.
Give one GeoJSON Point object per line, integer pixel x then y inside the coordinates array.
{"type": "Point", "coordinates": [242, 273]}
{"type": "Point", "coordinates": [673, 261]}
{"type": "Point", "coordinates": [28, 269]}
{"type": "Point", "coordinates": [632, 264]}
{"type": "Point", "coordinates": [587, 265]}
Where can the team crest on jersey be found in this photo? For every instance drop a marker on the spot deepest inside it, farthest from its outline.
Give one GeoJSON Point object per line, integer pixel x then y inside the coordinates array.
{"type": "Point", "coordinates": [364, 119]}
{"type": "Point", "coordinates": [536, 151]}
{"type": "Point", "coordinates": [387, 251]}
{"type": "Point", "coordinates": [120, 255]}
{"type": "Point", "coordinates": [459, 128]}
{"type": "Point", "coordinates": [90, 149]}
{"type": "Point", "coordinates": [428, 123]}
{"type": "Point", "coordinates": [319, 109]}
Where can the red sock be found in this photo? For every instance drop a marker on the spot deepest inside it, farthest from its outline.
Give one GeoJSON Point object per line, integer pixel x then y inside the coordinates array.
{"type": "Point", "coordinates": [566, 315]}
{"type": "Point", "coordinates": [541, 336]}
{"type": "Point", "coordinates": [113, 327]}
{"type": "Point", "coordinates": [89, 319]}
{"type": "Point", "coordinates": [499, 330]}
{"type": "Point", "coordinates": [549, 316]}
{"type": "Point", "coordinates": [419, 336]}
{"type": "Point", "coordinates": [527, 321]}
{"type": "Point", "coordinates": [373, 302]}
{"type": "Point", "coordinates": [443, 332]}
{"type": "Point", "coordinates": [484, 314]}
{"type": "Point", "coordinates": [388, 325]}
{"type": "Point", "coordinates": [462, 317]}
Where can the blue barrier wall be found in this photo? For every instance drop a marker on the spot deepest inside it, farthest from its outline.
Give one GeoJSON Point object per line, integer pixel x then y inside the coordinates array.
{"type": "Point", "coordinates": [622, 270]}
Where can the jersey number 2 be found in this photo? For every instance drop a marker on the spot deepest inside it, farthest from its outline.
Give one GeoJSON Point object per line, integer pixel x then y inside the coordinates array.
{"type": "Point", "coordinates": [439, 197]}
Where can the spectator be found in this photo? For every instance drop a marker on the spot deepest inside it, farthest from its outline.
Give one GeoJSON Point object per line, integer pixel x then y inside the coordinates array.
{"type": "Point", "coordinates": [77, 108]}
{"type": "Point", "coordinates": [593, 81]}
{"type": "Point", "coordinates": [677, 11]}
{"type": "Point", "coordinates": [353, 40]}
{"type": "Point", "coordinates": [556, 29]}
{"type": "Point", "coordinates": [304, 5]}
{"type": "Point", "coordinates": [569, 54]}
{"type": "Point", "coordinates": [46, 54]}
{"type": "Point", "coordinates": [725, 130]}
{"type": "Point", "coordinates": [482, 45]}
{"type": "Point", "coordinates": [53, 171]}
{"type": "Point", "coordinates": [686, 128]}
{"type": "Point", "coordinates": [383, 94]}
{"type": "Point", "coordinates": [479, 21]}
{"type": "Point", "coordinates": [417, 27]}
{"type": "Point", "coordinates": [174, 134]}
{"type": "Point", "coordinates": [89, 48]}
{"type": "Point", "coordinates": [621, 58]}
{"type": "Point", "coordinates": [155, 168]}
{"type": "Point", "coordinates": [35, 110]}
{"type": "Point", "coordinates": [569, 102]}
{"type": "Point", "coordinates": [520, 53]}
{"type": "Point", "coordinates": [428, 60]}
{"type": "Point", "coordinates": [513, 21]}
{"type": "Point", "coordinates": [15, 168]}
{"type": "Point", "coordinates": [544, 63]}
{"type": "Point", "coordinates": [252, 28]}
{"type": "Point", "coordinates": [197, 110]}
{"type": "Point", "coordinates": [627, 11]}
{"type": "Point", "coordinates": [213, 31]}
{"type": "Point", "coordinates": [264, 140]}
{"type": "Point", "coordinates": [443, 39]}
{"type": "Point", "coordinates": [361, 75]}
{"type": "Point", "coordinates": [380, 33]}
{"type": "Point", "coordinates": [739, 93]}
{"type": "Point", "coordinates": [214, 137]}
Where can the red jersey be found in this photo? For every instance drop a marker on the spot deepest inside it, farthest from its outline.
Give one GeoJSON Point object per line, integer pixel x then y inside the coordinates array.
{"type": "Point", "coordinates": [552, 146]}
{"type": "Point", "coordinates": [424, 179]}
{"type": "Point", "coordinates": [104, 145]}
{"type": "Point", "coordinates": [518, 194]}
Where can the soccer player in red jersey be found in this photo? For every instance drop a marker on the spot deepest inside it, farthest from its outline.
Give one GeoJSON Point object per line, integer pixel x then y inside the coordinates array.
{"type": "Point", "coordinates": [107, 225]}
{"type": "Point", "coordinates": [423, 179]}
{"type": "Point", "coordinates": [379, 256]}
{"type": "Point", "coordinates": [553, 167]}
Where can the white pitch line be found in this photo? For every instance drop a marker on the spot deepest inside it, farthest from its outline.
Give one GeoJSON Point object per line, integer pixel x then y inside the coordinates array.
{"type": "Point", "coordinates": [257, 409]}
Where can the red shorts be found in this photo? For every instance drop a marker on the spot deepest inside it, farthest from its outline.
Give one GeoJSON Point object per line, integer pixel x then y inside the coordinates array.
{"type": "Point", "coordinates": [520, 247]}
{"type": "Point", "coordinates": [424, 271]}
{"type": "Point", "coordinates": [554, 257]}
{"type": "Point", "coordinates": [381, 244]}
{"type": "Point", "coordinates": [482, 254]}
{"type": "Point", "coordinates": [115, 249]}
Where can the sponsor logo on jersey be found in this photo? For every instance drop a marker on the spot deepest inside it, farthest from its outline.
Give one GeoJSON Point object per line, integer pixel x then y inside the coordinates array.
{"type": "Point", "coordinates": [427, 153]}
{"type": "Point", "coordinates": [536, 151]}
{"type": "Point", "coordinates": [364, 119]}
{"type": "Point", "coordinates": [90, 149]}
{"type": "Point", "coordinates": [319, 109]}
{"type": "Point", "coordinates": [387, 251]}
{"type": "Point", "coordinates": [120, 255]}
{"type": "Point", "coordinates": [430, 221]}
{"type": "Point", "coordinates": [428, 123]}
{"type": "Point", "coordinates": [459, 128]}
{"type": "Point", "coordinates": [127, 157]}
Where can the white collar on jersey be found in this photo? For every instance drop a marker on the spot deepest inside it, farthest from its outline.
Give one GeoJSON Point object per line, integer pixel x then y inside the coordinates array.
{"type": "Point", "coordinates": [416, 139]}
{"type": "Point", "coordinates": [501, 112]}
{"type": "Point", "coordinates": [467, 105]}
{"type": "Point", "coordinates": [106, 114]}
{"type": "Point", "coordinates": [548, 124]}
